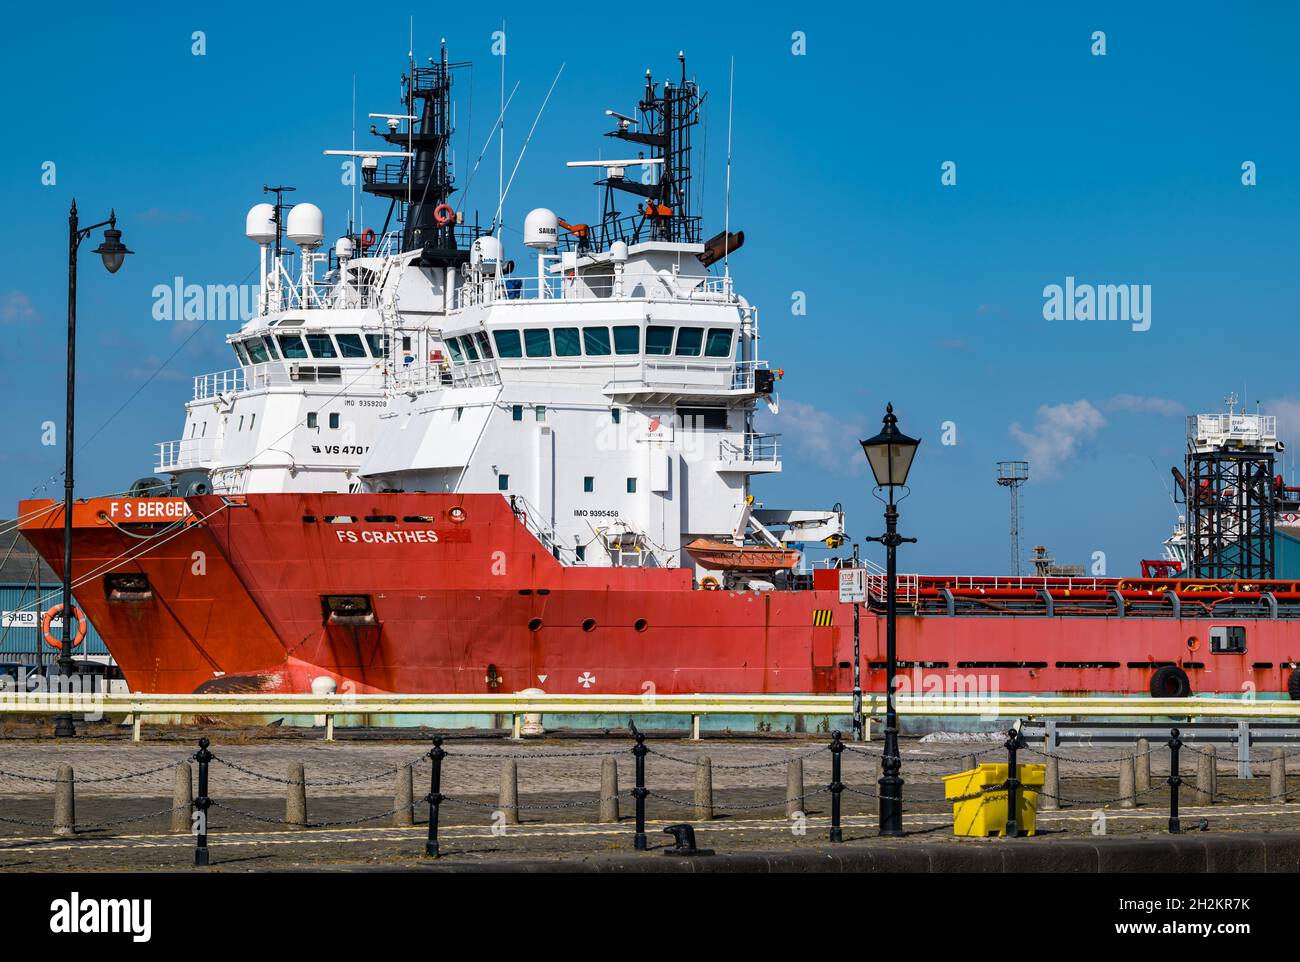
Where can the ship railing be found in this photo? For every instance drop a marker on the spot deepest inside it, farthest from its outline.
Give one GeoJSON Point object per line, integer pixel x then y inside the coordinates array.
{"type": "Point", "coordinates": [292, 372]}
{"type": "Point", "coordinates": [686, 375]}
{"type": "Point", "coordinates": [907, 585]}
{"type": "Point", "coordinates": [752, 449]}
{"type": "Point", "coordinates": [185, 454]}
{"type": "Point", "coordinates": [428, 377]}
{"type": "Point", "coordinates": [528, 516]}
{"type": "Point", "coordinates": [219, 382]}
{"type": "Point", "coordinates": [1032, 583]}
{"type": "Point", "coordinates": [570, 287]}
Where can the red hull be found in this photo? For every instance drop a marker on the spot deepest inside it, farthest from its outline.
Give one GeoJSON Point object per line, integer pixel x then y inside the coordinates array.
{"type": "Point", "coordinates": [197, 629]}
{"type": "Point", "coordinates": [478, 605]}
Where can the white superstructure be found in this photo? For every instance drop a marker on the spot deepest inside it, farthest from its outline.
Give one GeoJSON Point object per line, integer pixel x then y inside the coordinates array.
{"type": "Point", "coordinates": [610, 397]}
{"type": "Point", "coordinates": [315, 365]}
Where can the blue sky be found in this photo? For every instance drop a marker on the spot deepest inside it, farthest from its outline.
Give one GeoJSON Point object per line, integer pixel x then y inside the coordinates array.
{"type": "Point", "coordinates": [1121, 169]}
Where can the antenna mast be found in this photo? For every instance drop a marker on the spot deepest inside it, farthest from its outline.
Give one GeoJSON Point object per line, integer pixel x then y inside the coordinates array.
{"type": "Point", "coordinates": [665, 125]}
{"type": "Point", "coordinates": [1011, 475]}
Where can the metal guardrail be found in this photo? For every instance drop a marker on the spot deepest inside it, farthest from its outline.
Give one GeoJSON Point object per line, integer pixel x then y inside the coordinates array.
{"type": "Point", "coordinates": [941, 705]}
{"type": "Point", "coordinates": [1238, 732]}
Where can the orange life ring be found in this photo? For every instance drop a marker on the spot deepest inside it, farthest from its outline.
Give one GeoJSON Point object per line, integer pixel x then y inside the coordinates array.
{"type": "Point", "coordinates": [367, 238]}
{"type": "Point", "coordinates": [48, 618]}
{"type": "Point", "coordinates": [709, 583]}
{"type": "Point", "coordinates": [444, 214]}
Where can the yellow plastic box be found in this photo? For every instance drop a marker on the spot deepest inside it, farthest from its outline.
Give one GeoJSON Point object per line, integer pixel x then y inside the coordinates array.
{"type": "Point", "coordinates": [986, 814]}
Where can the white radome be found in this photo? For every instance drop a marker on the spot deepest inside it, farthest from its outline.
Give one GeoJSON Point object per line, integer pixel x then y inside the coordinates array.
{"type": "Point", "coordinates": [306, 225]}
{"type": "Point", "coordinates": [541, 229]}
{"type": "Point", "coordinates": [259, 225]}
{"type": "Point", "coordinates": [485, 254]}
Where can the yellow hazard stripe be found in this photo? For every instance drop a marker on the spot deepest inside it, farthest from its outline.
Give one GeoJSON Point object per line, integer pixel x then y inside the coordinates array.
{"type": "Point", "coordinates": [822, 617]}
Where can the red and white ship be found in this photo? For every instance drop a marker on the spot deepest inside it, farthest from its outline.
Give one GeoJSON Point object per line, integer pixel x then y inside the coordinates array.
{"type": "Point", "coordinates": [557, 494]}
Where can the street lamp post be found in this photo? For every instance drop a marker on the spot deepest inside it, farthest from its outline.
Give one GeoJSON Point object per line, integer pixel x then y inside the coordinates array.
{"type": "Point", "coordinates": [859, 727]}
{"type": "Point", "coordinates": [113, 252]}
{"type": "Point", "coordinates": [890, 455]}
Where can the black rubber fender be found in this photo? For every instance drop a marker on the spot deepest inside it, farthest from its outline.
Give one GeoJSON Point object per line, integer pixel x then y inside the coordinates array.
{"type": "Point", "coordinates": [1293, 684]}
{"type": "Point", "coordinates": [1169, 681]}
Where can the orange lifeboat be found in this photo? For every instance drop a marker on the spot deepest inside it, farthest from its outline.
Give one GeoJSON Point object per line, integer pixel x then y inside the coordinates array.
{"type": "Point", "coordinates": [722, 556]}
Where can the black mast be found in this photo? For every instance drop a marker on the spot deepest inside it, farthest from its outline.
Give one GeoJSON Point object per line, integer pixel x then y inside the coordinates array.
{"type": "Point", "coordinates": [425, 178]}
{"type": "Point", "coordinates": [667, 119]}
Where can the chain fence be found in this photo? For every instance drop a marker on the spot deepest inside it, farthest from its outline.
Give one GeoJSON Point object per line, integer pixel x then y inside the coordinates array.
{"type": "Point", "coordinates": [440, 761]}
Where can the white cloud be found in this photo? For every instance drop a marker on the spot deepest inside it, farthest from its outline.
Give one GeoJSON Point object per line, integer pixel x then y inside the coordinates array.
{"type": "Point", "coordinates": [1287, 411]}
{"type": "Point", "coordinates": [816, 435]}
{"type": "Point", "coordinates": [17, 308]}
{"type": "Point", "coordinates": [1144, 405]}
{"type": "Point", "coordinates": [1058, 434]}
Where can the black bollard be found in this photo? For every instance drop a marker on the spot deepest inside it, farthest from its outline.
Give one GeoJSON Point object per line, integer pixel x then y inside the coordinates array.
{"type": "Point", "coordinates": [435, 796]}
{"type": "Point", "coordinates": [639, 792]}
{"type": "Point", "coordinates": [202, 804]}
{"type": "Point", "coordinates": [1015, 741]}
{"type": "Point", "coordinates": [836, 787]}
{"type": "Point", "coordinates": [1175, 743]}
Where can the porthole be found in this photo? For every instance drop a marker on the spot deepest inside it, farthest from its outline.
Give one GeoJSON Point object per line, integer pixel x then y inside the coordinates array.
{"type": "Point", "coordinates": [589, 624]}
{"type": "Point", "coordinates": [534, 624]}
{"type": "Point", "coordinates": [640, 624]}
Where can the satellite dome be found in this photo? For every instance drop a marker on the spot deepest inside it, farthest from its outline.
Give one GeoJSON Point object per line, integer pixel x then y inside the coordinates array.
{"type": "Point", "coordinates": [485, 253]}
{"type": "Point", "coordinates": [541, 229]}
{"type": "Point", "coordinates": [306, 225]}
{"type": "Point", "coordinates": [259, 225]}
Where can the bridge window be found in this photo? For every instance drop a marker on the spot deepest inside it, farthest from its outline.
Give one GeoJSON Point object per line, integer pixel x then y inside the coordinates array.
{"type": "Point", "coordinates": [508, 344]}
{"type": "Point", "coordinates": [567, 343]}
{"type": "Point", "coordinates": [537, 342]}
{"type": "Point", "coordinates": [719, 342]}
{"type": "Point", "coordinates": [484, 346]}
{"type": "Point", "coordinates": [467, 342]}
{"type": "Point", "coordinates": [378, 344]}
{"type": "Point", "coordinates": [350, 345]}
{"type": "Point", "coordinates": [256, 350]}
{"type": "Point", "coordinates": [627, 340]}
{"type": "Point", "coordinates": [708, 418]}
{"type": "Point", "coordinates": [291, 347]}
{"type": "Point", "coordinates": [454, 347]}
{"type": "Point", "coordinates": [689, 341]}
{"type": "Point", "coordinates": [240, 353]}
{"type": "Point", "coordinates": [269, 341]}
{"type": "Point", "coordinates": [658, 339]}
{"type": "Point", "coordinates": [596, 341]}
{"type": "Point", "coordinates": [322, 345]}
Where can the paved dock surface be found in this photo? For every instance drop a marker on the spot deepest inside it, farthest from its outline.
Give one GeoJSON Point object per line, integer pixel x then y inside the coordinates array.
{"type": "Point", "coordinates": [123, 822]}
